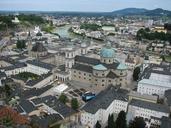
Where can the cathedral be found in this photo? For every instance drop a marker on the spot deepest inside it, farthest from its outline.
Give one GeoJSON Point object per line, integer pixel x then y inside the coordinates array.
{"type": "Point", "coordinates": [100, 73]}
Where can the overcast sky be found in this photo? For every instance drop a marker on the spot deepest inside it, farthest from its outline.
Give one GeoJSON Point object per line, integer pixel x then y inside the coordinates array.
{"type": "Point", "coordinates": [81, 5]}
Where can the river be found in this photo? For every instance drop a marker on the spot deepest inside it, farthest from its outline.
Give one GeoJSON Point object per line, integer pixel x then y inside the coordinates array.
{"type": "Point", "coordinates": [63, 31]}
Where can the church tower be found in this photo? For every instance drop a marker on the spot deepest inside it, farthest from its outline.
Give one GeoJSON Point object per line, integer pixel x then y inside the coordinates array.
{"type": "Point", "coordinates": [69, 57]}
{"type": "Point", "coordinates": [83, 48]}
{"type": "Point", "coordinates": [29, 44]}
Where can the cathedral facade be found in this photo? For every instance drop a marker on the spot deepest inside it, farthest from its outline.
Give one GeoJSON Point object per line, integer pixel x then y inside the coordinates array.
{"type": "Point", "coordinates": [100, 73]}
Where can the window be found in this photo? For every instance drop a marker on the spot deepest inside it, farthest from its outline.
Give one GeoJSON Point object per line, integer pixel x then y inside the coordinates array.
{"type": "Point", "coordinates": [84, 74]}
{"type": "Point", "coordinates": [74, 71]}
{"type": "Point", "coordinates": [96, 74]}
{"type": "Point", "coordinates": [89, 75]}
{"type": "Point", "coordinates": [102, 84]}
{"type": "Point", "coordinates": [109, 81]}
{"type": "Point", "coordinates": [79, 72]}
{"type": "Point", "coordinates": [95, 79]}
{"type": "Point", "coordinates": [102, 80]}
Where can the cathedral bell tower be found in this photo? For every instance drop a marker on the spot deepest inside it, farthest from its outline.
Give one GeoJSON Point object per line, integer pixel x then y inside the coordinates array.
{"type": "Point", "coordinates": [29, 44]}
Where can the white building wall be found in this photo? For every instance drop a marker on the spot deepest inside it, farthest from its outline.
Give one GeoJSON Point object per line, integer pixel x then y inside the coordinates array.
{"type": "Point", "coordinates": [145, 113]}
{"type": "Point", "coordinates": [120, 106]}
{"type": "Point", "coordinates": [15, 71]}
{"type": "Point", "coordinates": [152, 89]}
{"type": "Point", "coordinates": [160, 77]}
{"type": "Point", "coordinates": [101, 115]}
{"type": "Point", "coordinates": [36, 70]}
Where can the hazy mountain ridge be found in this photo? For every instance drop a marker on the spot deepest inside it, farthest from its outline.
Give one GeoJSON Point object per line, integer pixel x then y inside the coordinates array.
{"type": "Point", "coordinates": [142, 11]}
{"type": "Point", "coordinates": [128, 11]}
{"type": "Point", "coordinates": [122, 12]}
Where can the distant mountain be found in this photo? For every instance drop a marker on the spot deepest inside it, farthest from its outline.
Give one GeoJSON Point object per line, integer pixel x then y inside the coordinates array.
{"type": "Point", "coordinates": [129, 11]}
{"type": "Point", "coordinates": [123, 12]}
{"type": "Point", "coordinates": [141, 11]}
{"type": "Point", "coordinates": [157, 12]}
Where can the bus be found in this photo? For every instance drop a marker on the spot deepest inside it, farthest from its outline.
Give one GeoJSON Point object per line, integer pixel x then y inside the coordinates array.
{"type": "Point", "coordinates": [88, 96]}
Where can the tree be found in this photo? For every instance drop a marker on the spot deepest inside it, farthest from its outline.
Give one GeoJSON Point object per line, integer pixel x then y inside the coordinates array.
{"type": "Point", "coordinates": [147, 29]}
{"type": "Point", "coordinates": [92, 27]}
{"type": "Point", "coordinates": [150, 35]}
{"type": "Point", "coordinates": [10, 117]}
{"type": "Point", "coordinates": [21, 44]}
{"type": "Point", "coordinates": [63, 98]}
{"type": "Point", "coordinates": [163, 58]}
{"type": "Point", "coordinates": [111, 123]}
{"type": "Point", "coordinates": [138, 122]}
{"type": "Point", "coordinates": [98, 125]}
{"type": "Point", "coordinates": [39, 34]}
{"type": "Point", "coordinates": [7, 90]}
{"type": "Point", "coordinates": [74, 103]}
{"type": "Point", "coordinates": [121, 120]}
{"type": "Point", "coordinates": [136, 73]}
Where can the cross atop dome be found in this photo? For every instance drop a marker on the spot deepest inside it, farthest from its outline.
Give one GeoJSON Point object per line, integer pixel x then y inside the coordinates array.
{"type": "Point", "coordinates": [108, 44]}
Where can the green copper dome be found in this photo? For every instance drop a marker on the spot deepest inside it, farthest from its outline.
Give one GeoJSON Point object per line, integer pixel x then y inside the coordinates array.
{"type": "Point", "coordinates": [107, 51]}
{"type": "Point", "coordinates": [99, 67]}
{"type": "Point", "coordinates": [122, 66]}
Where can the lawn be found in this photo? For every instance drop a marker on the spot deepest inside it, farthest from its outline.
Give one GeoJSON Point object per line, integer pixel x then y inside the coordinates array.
{"type": "Point", "coordinates": [28, 75]}
{"type": "Point", "coordinates": [168, 58]}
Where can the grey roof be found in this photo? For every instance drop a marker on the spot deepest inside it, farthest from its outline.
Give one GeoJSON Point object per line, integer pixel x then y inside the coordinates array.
{"type": "Point", "coordinates": [111, 66]}
{"type": "Point", "coordinates": [152, 69]}
{"type": "Point", "coordinates": [111, 75]}
{"type": "Point", "coordinates": [105, 98]}
{"type": "Point", "coordinates": [41, 100]}
{"type": "Point", "coordinates": [54, 103]}
{"type": "Point", "coordinates": [38, 47]}
{"type": "Point", "coordinates": [45, 120]}
{"type": "Point", "coordinates": [2, 74]}
{"type": "Point", "coordinates": [27, 106]}
{"type": "Point", "coordinates": [7, 59]}
{"type": "Point", "coordinates": [93, 62]}
{"type": "Point", "coordinates": [165, 122]}
{"type": "Point", "coordinates": [41, 64]}
{"type": "Point", "coordinates": [17, 65]}
{"type": "Point", "coordinates": [167, 94]}
{"type": "Point", "coordinates": [84, 68]}
{"type": "Point", "coordinates": [150, 105]}
{"type": "Point", "coordinates": [143, 96]}
{"type": "Point", "coordinates": [19, 109]}
{"type": "Point", "coordinates": [34, 92]}
{"type": "Point", "coordinates": [87, 60]}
